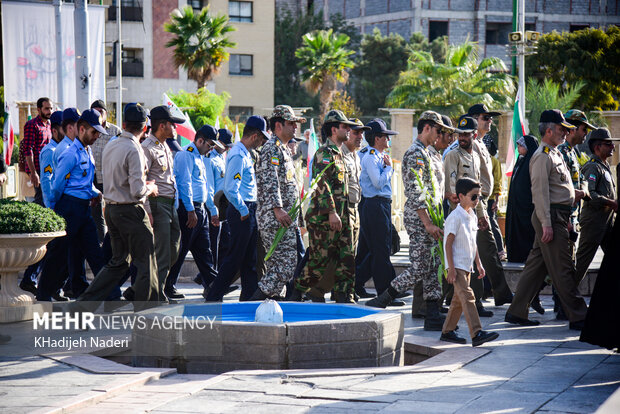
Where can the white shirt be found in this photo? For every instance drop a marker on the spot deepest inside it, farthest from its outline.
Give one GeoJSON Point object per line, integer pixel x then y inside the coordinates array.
{"type": "Point", "coordinates": [464, 226]}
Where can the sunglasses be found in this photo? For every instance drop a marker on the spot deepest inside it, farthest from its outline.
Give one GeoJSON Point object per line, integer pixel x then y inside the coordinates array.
{"type": "Point", "coordinates": [474, 197]}
{"type": "Point", "coordinates": [486, 117]}
{"type": "Point", "coordinates": [609, 144]}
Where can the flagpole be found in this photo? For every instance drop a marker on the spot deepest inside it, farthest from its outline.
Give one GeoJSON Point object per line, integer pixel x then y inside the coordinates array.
{"type": "Point", "coordinates": [522, 58]}
{"type": "Point", "coordinates": [59, 65]}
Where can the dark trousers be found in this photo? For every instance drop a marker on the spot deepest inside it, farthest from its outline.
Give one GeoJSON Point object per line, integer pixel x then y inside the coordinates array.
{"type": "Point", "coordinates": [97, 213]}
{"type": "Point", "coordinates": [130, 235]}
{"type": "Point", "coordinates": [33, 271]}
{"type": "Point", "coordinates": [197, 241]}
{"type": "Point", "coordinates": [132, 272]}
{"type": "Point", "coordinates": [68, 252]}
{"type": "Point", "coordinates": [375, 241]}
{"type": "Point", "coordinates": [497, 234]}
{"type": "Point", "coordinates": [241, 256]}
{"type": "Point", "coordinates": [220, 240]}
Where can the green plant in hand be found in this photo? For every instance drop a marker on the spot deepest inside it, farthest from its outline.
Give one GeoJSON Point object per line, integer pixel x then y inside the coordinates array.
{"type": "Point", "coordinates": [435, 212]}
{"type": "Point", "coordinates": [22, 217]}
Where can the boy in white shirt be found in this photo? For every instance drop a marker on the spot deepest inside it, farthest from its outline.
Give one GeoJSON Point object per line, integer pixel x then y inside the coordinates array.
{"type": "Point", "coordinates": [460, 249]}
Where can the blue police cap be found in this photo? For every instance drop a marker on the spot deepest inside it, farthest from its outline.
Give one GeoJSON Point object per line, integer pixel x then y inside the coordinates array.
{"type": "Point", "coordinates": [225, 136]}
{"type": "Point", "coordinates": [94, 119]}
{"type": "Point", "coordinates": [259, 123]}
{"type": "Point", "coordinates": [70, 115]}
{"type": "Point", "coordinates": [378, 126]}
{"type": "Point", "coordinates": [207, 132]}
{"type": "Point", "coordinates": [56, 118]}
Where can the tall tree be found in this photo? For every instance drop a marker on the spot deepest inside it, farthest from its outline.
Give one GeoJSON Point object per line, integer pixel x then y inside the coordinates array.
{"type": "Point", "coordinates": [382, 59]}
{"type": "Point", "coordinates": [324, 60]}
{"type": "Point", "coordinates": [589, 55]}
{"type": "Point", "coordinates": [289, 31]}
{"type": "Point", "coordinates": [453, 86]}
{"type": "Point", "coordinates": [199, 42]}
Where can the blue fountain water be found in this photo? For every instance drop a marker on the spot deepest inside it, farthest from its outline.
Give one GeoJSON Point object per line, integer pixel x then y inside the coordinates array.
{"type": "Point", "coordinates": [293, 311]}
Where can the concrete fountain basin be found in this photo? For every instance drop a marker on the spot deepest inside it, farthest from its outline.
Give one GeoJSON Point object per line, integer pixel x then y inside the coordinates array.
{"type": "Point", "coordinates": [312, 336]}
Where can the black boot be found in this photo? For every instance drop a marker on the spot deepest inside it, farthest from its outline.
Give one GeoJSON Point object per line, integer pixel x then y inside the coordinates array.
{"type": "Point", "coordinates": [537, 306]}
{"type": "Point", "coordinates": [294, 295]}
{"type": "Point", "coordinates": [258, 295]}
{"type": "Point", "coordinates": [384, 299]}
{"type": "Point", "coordinates": [342, 297]}
{"type": "Point", "coordinates": [433, 320]}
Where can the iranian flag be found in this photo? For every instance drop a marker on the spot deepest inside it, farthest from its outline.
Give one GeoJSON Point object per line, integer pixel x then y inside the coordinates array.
{"type": "Point", "coordinates": [518, 130]}
{"type": "Point", "coordinates": [185, 131]}
{"type": "Point", "coordinates": [8, 137]}
{"type": "Point", "coordinates": [313, 146]}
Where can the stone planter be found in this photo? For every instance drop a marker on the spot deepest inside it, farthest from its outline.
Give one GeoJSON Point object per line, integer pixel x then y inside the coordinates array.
{"type": "Point", "coordinates": [18, 251]}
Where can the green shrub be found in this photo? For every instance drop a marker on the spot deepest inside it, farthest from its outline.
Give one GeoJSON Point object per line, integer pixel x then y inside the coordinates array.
{"type": "Point", "coordinates": [23, 217]}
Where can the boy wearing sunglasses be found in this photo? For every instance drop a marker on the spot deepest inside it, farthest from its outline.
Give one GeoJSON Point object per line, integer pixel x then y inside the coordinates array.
{"type": "Point", "coordinates": [460, 230]}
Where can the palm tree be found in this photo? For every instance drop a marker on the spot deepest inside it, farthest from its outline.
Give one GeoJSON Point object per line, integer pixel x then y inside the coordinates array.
{"type": "Point", "coordinates": [199, 42]}
{"type": "Point", "coordinates": [455, 85]}
{"type": "Point", "coordinates": [540, 96]}
{"type": "Point", "coordinates": [324, 61]}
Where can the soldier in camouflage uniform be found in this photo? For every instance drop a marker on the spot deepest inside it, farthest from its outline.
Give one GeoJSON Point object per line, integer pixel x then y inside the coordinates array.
{"type": "Point", "coordinates": [329, 221]}
{"type": "Point", "coordinates": [277, 193]}
{"type": "Point", "coordinates": [575, 137]}
{"type": "Point", "coordinates": [423, 234]}
{"type": "Point", "coordinates": [418, 306]}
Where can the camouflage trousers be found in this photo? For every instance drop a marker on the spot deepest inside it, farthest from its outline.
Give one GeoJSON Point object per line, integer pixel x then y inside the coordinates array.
{"type": "Point", "coordinates": [330, 250]}
{"type": "Point", "coordinates": [280, 267]}
{"type": "Point", "coordinates": [423, 268]}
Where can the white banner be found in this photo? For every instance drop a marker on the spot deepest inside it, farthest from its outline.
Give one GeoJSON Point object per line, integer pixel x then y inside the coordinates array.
{"type": "Point", "coordinates": [29, 53]}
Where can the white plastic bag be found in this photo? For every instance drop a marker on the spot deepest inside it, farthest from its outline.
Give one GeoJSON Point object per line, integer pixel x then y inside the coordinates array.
{"type": "Point", "coordinates": [269, 312]}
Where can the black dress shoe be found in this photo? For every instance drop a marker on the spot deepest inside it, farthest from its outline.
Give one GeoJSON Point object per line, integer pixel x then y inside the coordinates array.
{"type": "Point", "coordinates": [452, 337]}
{"type": "Point", "coordinates": [259, 295]}
{"type": "Point", "coordinates": [397, 302]}
{"type": "Point", "coordinates": [482, 337]}
{"type": "Point", "coordinates": [174, 294]}
{"type": "Point", "coordinates": [362, 293]}
{"type": "Point", "coordinates": [404, 294]}
{"type": "Point", "coordinates": [111, 305]}
{"type": "Point", "coordinates": [576, 326]}
{"type": "Point", "coordinates": [29, 287]}
{"type": "Point", "coordinates": [510, 318]}
{"type": "Point", "coordinates": [69, 294]}
{"type": "Point", "coordinates": [561, 316]}
{"type": "Point", "coordinates": [418, 315]}
{"type": "Point", "coordinates": [59, 298]}
{"type": "Point", "coordinates": [129, 294]}
{"type": "Point", "coordinates": [536, 305]}
{"type": "Point", "coordinates": [483, 313]}
{"type": "Point", "coordinates": [443, 309]}
{"type": "Point", "coordinates": [504, 301]}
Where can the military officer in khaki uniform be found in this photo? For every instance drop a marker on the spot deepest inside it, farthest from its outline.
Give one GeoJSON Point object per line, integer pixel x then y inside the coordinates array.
{"type": "Point", "coordinates": [161, 210]}
{"type": "Point", "coordinates": [597, 214]}
{"type": "Point", "coordinates": [553, 196]}
{"type": "Point", "coordinates": [487, 248]}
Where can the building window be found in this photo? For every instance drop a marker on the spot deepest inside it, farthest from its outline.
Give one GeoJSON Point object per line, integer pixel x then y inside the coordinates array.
{"type": "Point", "coordinates": [497, 33]}
{"type": "Point", "coordinates": [575, 27]}
{"type": "Point", "coordinates": [131, 11]}
{"type": "Point", "coordinates": [240, 113]}
{"type": "Point", "coordinates": [196, 4]}
{"type": "Point", "coordinates": [240, 11]}
{"type": "Point", "coordinates": [240, 65]}
{"type": "Point", "coordinates": [132, 63]}
{"type": "Point", "coordinates": [437, 29]}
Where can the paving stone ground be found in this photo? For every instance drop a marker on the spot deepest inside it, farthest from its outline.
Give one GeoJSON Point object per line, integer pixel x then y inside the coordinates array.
{"type": "Point", "coordinates": [544, 369]}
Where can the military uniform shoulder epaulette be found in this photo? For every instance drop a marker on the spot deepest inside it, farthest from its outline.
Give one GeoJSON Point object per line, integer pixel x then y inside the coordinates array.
{"type": "Point", "coordinates": [372, 151]}
{"type": "Point", "coordinates": [546, 150]}
{"type": "Point", "coordinates": [364, 150]}
{"type": "Point", "coordinates": [190, 149]}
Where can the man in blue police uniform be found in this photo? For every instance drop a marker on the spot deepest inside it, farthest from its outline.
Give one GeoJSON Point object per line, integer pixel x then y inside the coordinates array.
{"type": "Point", "coordinates": [70, 116]}
{"type": "Point", "coordinates": [191, 178]}
{"type": "Point", "coordinates": [73, 193]}
{"type": "Point", "coordinates": [240, 190]}
{"type": "Point", "coordinates": [375, 239]}
{"type": "Point", "coordinates": [215, 165]}
{"type": "Point", "coordinates": [46, 158]}
{"type": "Point", "coordinates": [33, 271]}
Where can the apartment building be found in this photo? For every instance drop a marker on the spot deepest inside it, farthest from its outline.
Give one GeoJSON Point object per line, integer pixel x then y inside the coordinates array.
{"type": "Point", "coordinates": [148, 67]}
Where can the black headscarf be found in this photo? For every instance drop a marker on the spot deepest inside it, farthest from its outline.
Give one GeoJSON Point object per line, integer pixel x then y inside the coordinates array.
{"type": "Point", "coordinates": [519, 230]}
